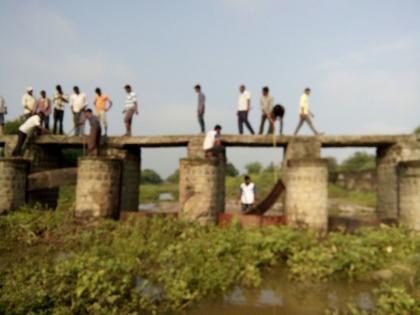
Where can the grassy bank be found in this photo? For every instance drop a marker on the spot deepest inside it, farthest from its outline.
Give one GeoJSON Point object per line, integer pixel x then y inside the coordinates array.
{"type": "Point", "coordinates": [52, 265]}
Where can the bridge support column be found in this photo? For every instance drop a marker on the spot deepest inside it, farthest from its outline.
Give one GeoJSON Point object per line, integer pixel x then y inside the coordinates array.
{"type": "Point", "coordinates": [131, 170]}
{"type": "Point", "coordinates": [44, 158]}
{"type": "Point", "coordinates": [98, 190]}
{"type": "Point", "coordinates": [307, 193]}
{"type": "Point", "coordinates": [409, 194]}
{"type": "Point", "coordinates": [201, 185]}
{"type": "Point", "coordinates": [387, 159]}
{"type": "Point", "coordinates": [13, 182]}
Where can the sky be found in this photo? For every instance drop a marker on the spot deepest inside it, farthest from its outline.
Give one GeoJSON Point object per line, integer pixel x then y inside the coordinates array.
{"type": "Point", "coordinates": [360, 58]}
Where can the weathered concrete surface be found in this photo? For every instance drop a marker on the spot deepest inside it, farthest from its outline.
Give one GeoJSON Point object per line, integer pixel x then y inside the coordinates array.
{"type": "Point", "coordinates": [52, 178]}
{"type": "Point", "coordinates": [13, 181]}
{"type": "Point", "coordinates": [98, 189]}
{"type": "Point", "coordinates": [307, 193]}
{"type": "Point", "coordinates": [409, 194]}
{"type": "Point", "coordinates": [328, 141]}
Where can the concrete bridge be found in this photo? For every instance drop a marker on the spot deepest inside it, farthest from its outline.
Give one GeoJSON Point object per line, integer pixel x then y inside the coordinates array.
{"type": "Point", "coordinates": [202, 180]}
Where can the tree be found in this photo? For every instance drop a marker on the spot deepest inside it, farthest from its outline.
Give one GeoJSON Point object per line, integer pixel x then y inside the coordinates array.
{"type": "Point", "coordinates": [149, 176]}
{"type": "Point", "coordinates": [359, 161]}
{"type": "Point", "coordinates": [253, 168]}
{"type": "Point", "coordinates": [231, 170]}
{"type": "Point", "coordinates": [417, 130]}
{"type": "Point", "coordinates": [174, 177]}
{"type": "Point", "coordinates": [332, 168]}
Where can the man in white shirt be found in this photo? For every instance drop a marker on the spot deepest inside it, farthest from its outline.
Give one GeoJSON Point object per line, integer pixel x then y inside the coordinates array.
{"type": "Point", "coordinates": [267, 104]}
{"type": "Point", "coordinates": [244, 106]}
{"type": "Point", "coordinates": [78, 103]}
{"type": "Point", "coordinates": [130, 108]}
{"type": "Point", "coordinates": [304, 113]}
{"type": "Point", "coordinates": [28, 103]}
{"type": "Point", "coordinates": [248, 194]}
{"type": "Point", "coordinates": [212, 144]}
{"type": "Point", "coordinates": [3, 112]}
{"type": "Point", "coordinates": [26, 129]}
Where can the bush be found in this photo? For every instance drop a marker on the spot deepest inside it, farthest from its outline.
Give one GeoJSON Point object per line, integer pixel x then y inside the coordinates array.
{"type": "Point", "coordinates": [174, 177]}
{"type": "Point", "coordinates": [231, 170]}
{"type": "Point", "coordinates": [253, 168]}
{"type": "Point", "coordinates": [359, 161]}
{"type": "Point", "coordinates": [149, 176]}
{"type": "Point", "coordinates": [12, 127]}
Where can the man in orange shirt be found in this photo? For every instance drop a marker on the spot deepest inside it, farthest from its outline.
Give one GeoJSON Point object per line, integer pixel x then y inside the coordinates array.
{"type": "Point", "coordinates": [103, 104]}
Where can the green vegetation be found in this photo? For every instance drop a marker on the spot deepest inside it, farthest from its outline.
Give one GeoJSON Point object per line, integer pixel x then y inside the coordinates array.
{"type": "Point", "coordinates": [149, 193]}
{"type": "Point", "coordinates": [417, 130]}
{"type": "Point", "coordinates": [50, 265]}
{"type": "Point", "coordinates": [253, 168]}
{"type": "Point", "coordinates": [11, 127]}
{"type": "Point", "coordinates": [359, 161]}
{"type": "Point", "coordinates": [174, 177]}
{"type": "Point", "coordinates": [231, 170]}
{"type": "Point", "coordinates": [361, 198]}
{"type": "Point", "coordinates": [149, 176]}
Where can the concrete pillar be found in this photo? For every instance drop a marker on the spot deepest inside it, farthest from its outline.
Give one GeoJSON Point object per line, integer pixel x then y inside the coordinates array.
{"type": "Point", "coordinates": [307, 193]}
{"type": "Point", "coordinates": [131, 171]}
{"type": "Point", "coordinates": [13, 182]}
{"type": "Point", "coordinates": [44, 158]}
{"type": "Point", "coordinates": [195, 148]}
{"type": "Point", "coordinates": [202, 189]}
{"type": "Point", "coordinates": [98, 190]}
{"type": "Point", "coordinates": [387, 159]}
{"type": "Point", "coordinates": [409, 194]}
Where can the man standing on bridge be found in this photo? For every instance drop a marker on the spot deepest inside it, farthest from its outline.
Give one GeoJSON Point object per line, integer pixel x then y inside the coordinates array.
{"type": "Point", "coordinates": [59, 101]}
{"type": "Point", "coordinates": [130, 108]}
{"type": "Point", "coordinates": [201, 107]}
{"type": "Point", "coordinates": [78, 103]}
{"type": "Point", "coordinates": [26, 129]}
{"type": "Point", "coordinates": [102, 104]}
{"type": "Point", "coordinates": [44, 105]}
{"type": "Point", "coordinates": [267, 104]}
{"type": "Point", "coordinates": [244, 106]}
{"type": "Point", "coordinates": [304, 113]}
{"type": "Point", "coordinates": [28, 103]}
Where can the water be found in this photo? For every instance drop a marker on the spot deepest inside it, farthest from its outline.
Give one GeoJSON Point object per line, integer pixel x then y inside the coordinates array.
{"type": "Point", "coordinates": [277, 295]}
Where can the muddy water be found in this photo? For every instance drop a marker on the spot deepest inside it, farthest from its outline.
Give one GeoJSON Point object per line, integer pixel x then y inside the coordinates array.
{"type": "Point", "coordinates": [279, 296]}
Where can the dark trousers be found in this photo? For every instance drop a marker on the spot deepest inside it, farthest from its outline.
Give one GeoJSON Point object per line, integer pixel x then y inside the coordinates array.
{"type": "Point", "coordinates": [79, 126]}
{"type": "Point", "coordinates": [243, 119]}
{"type": "Point", "coordinates": [21, 140]}
{"type": "Point", "coordinates": [58, 121]}
{"type": "Point", "coordinates": [46, 122]}
{"type": "Point", "coordinates": [202, 123]}
{"type": "Point", "coordinates": [270, 125]}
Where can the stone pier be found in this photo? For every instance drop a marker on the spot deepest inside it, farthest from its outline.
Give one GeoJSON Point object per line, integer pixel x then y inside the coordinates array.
{"type": "Point", "coordinates": [131, 171]}
{"type": "Point", "coordinates": [307, 193]}
{"type": "Point", "coordinates": [98, 189]}
{"type": "Point", "coordinates": [387, 159]}
{"type": "Point", "coordinates": [201, 185]}
{"type": "Point", "coordinates": [409, 194]}
{"type": "Point", "coordinates": [13, 182]}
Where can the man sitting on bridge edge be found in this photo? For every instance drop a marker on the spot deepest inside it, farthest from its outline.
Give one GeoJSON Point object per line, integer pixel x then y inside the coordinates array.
{"type": "Point", "coordinates": [212, 145]}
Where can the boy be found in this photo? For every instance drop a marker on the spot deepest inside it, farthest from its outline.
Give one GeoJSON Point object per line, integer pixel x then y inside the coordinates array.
{"type": "Point", "coordinates": [248, 193]}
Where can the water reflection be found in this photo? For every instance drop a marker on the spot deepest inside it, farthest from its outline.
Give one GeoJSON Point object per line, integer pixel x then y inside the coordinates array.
{"type": "Point", "coordinates": [278, 295]}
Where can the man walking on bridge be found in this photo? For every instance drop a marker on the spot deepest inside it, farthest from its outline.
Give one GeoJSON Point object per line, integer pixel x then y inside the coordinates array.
{"type": "Point", "coordinates": [304, 113]}
{"type": "Point", "coordinates": [201, 107]}
{"type": "Point", "coordinates": [244, 106]}
{"type": "Point", "coordinates": [102, 104]}
{"type": "Point", "coordinates": [267, 104]}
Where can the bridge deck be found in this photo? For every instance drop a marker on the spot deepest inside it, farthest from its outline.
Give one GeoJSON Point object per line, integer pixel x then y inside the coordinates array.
{"type": "Point", "coordinates": [328, 141]}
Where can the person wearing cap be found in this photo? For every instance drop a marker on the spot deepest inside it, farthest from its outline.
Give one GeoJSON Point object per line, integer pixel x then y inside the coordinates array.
{"type": "Point", "coordinates": [212, 144]}
{"type": "Point", "coordinates": [304, 113]}
{"type": "Point", "coordinates": [59, 101]}
{"type": "Point", "coordinates": [78, 103]}
{"type": "Point", "coordinates": [102, 104]}
{"type": "Point", "coordinates": [44, 105]}
{"type": "Point", "coordinates": [130, 108]}
{"type": "Point", "coordinates": [94, 139]}
{"type": "Point", "coordinates": [32, 123]}
{"type": "Point", "coordinates": [28, 103]}
{"type": "Point", "coordinates": [3, 112]}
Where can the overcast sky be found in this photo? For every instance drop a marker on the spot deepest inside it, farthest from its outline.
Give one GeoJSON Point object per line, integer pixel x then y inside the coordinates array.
{"type": "Point", "coordinates": [360, 57]}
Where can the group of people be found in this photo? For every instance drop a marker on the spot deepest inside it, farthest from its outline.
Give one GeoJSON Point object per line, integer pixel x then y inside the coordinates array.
{"type": "Point", "coordinates": [269, 111]}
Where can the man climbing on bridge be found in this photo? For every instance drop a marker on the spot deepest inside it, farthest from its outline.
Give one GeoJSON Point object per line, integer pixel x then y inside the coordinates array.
{"type": "Point", "coordinates": [304, 113]}
{"type": "Point", "coordinates": [27, 128]}
{"type": "Point", "coordinates": [248, 194]}
{"type": "Point", "coordinates": [94, 139]}
{"type": "Point", "coordinates": [212, 145]}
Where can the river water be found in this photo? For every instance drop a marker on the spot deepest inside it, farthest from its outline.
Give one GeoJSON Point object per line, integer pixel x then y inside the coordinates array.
{"type": "Point", "coordinates": [279, 296]}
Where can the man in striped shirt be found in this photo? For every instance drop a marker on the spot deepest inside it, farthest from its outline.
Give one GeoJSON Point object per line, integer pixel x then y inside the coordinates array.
{"type": "Point", "coordinates": [130, 108]}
